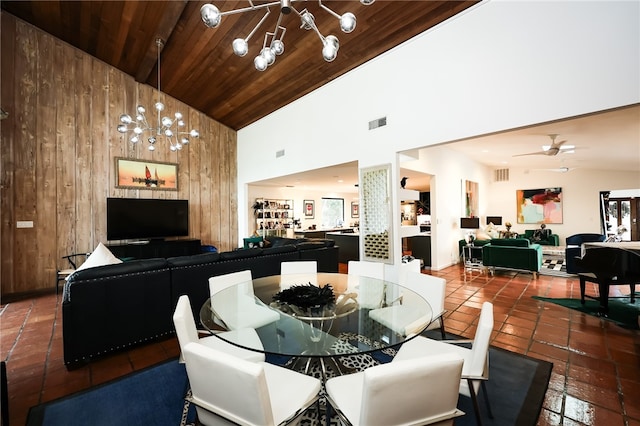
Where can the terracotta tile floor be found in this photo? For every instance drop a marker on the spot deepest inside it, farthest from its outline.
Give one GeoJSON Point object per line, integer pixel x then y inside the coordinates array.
{"type": "Point", "coordinates": [595, 379]}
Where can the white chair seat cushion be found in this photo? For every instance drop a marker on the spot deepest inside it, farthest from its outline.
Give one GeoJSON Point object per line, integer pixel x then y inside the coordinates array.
{"type": "Point", "coordinates": [404, 320]}
{"type": "Point", "coordinates": [244, 336]}
{"type": "Point", "coordinates": [421, 346]}
{"type": "Point", "coordinates": [346, 392]}
{"type": "Point", "coordinates": [288, 389]}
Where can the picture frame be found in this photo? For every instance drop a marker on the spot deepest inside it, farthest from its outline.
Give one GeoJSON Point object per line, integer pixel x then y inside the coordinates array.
{"type": "Point", "coordinates": [535, 206]}
{"type": "Point", "coordinates": [309, 209]}
{"type": "Point", "coordinates": [355, 209]}
{"type": "Point", "coordinates": [146, 174]}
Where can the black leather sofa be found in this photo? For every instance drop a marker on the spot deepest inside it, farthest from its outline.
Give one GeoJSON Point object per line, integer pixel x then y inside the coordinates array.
{"type": "Point", "coordinates": [110, 308]}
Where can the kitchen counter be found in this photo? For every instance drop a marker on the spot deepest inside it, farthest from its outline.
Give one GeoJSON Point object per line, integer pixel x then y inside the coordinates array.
{"type": "Point", "coordinates": [348, 243]}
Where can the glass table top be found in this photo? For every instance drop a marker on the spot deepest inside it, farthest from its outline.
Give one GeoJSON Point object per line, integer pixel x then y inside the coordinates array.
{"type": "Point", "coordinates": [369, 314]}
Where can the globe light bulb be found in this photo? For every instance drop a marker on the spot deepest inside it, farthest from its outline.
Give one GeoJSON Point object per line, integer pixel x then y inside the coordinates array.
{"type": "Point", "coordinates": [268, 55]}
{"type": "Point", "coordinates": [277, 47]}
{"type": "Point", "coordinates": [159, 106]}
{"type": "Point", "coordinates": [260, 63]}
{"type": "Point", "coordinates": [348, 22]}
{"type": "Point", "coordinates": [126, 119]}
{"type": "Point", "coordinates": [210, 15]}
{"type": "Point", "coordinates": [240, 47]}
{"type": "Point", "coordinates": [330, 49]}
{"type": "Point", "coordinates": [122, 128]}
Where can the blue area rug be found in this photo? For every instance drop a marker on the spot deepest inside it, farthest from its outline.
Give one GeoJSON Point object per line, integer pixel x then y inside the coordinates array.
{"type": "Point", "coordinates": [516, 388]}
{"type": "Point", "coordinates": [153, 396]}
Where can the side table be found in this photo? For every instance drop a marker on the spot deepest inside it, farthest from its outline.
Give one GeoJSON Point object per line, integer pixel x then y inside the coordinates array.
{"type": "Point", "coordinates": [472, 258]}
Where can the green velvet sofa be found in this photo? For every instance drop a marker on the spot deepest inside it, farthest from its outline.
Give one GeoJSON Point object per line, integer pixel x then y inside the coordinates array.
{"type": "Point", "coordinates": [548, 239]}
{"type": "Point", "coordinates": [513, 253]}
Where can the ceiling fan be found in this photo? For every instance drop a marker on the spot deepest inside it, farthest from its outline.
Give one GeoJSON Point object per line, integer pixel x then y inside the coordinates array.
{"type": "Point", "coordinates": [554, 149]}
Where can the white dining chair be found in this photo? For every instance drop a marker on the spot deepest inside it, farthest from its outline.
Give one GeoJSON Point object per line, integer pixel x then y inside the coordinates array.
{"type": "Point", "coordinates": [370, 295]}
{"type": "Point", "coordinates": [230, 390]}
{"type": "Point", "coordinates": [238, 307]}
{"type": "Point", "coordinates": [404, 317]}
{"type": "Point", "coordinates": [475, 371]}
{"type": "Point", "coordinates": [418, 391]}
{"type": "Point", "coordinates": [187, 332]}
{"type": "Point", "coordinates": [298, 273]}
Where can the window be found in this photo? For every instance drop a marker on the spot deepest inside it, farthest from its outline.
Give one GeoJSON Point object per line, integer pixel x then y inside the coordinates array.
{"type": "Point", "coordinates": [332, 212]}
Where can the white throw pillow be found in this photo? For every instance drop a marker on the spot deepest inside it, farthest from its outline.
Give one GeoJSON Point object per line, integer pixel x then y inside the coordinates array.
{"type": "Point", "coordinates": [101, 256]}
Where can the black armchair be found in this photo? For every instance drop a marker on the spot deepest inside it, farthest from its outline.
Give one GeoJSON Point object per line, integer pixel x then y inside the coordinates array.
{"type": "Point", "coordinates": [574, 249]}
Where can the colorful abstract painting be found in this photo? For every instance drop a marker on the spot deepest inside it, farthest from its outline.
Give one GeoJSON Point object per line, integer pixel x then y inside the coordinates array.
{"type": "Point", "coordinates": [539, 205]}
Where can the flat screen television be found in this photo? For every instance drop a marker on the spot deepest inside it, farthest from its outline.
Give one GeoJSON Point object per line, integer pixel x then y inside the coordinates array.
{"type": "Point", "coordinates": [140, 218]}
{"type": "Point", "coordinates": [496, 220]}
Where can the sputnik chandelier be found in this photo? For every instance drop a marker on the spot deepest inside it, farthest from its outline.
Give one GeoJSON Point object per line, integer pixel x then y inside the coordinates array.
{"type": "Point", "coordinates": [273, 45]}
{"type": "Point", "coordinates": [164, 127]}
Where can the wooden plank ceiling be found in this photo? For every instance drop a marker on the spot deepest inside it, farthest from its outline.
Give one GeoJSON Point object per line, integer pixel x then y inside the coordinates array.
{"type": "Point", "coordinates": [198, 66]}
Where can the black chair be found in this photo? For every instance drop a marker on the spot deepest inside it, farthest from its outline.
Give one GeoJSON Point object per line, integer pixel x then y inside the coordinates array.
{"type": "Point", "coordinates": [574, 249]}
{"type": "Point", "coordinates": [62, 274]}
{"type": "Point", "coordinates": [607, 266]}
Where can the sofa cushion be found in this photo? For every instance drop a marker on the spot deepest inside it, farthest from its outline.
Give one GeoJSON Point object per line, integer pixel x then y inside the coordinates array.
{"type": "Point", "coordinates": [510, 242]}
{"type": "Point", "coordinates": [325, 241]}
{"type": "Point", "coordinates": [101, 256]}
{"type": "Point", "coordinates": [241, 254]}
{"type": "Point", "coordinates": [310, 245]}
{"type": "Point", "coordinates": [280, 249]}
{"type": "Point", "coordinates": [196, 259]}
{"type": "Point", "coordinates": [281, 241]}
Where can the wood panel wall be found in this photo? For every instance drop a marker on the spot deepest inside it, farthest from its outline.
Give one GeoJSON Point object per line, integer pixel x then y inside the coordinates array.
{"type": "Point", "coordinates": [57, 164]}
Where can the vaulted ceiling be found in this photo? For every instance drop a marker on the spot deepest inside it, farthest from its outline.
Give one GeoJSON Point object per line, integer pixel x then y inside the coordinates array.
{"type": "Point", "coordinates": [198, 66]}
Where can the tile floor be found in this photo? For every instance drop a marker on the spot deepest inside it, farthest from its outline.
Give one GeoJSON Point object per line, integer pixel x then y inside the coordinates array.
{"type": "Point", "coordinates": [595, 379]}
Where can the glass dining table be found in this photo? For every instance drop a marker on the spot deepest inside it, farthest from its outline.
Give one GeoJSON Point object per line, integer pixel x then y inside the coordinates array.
{"type": "Point", "coordinates": [368, 315]}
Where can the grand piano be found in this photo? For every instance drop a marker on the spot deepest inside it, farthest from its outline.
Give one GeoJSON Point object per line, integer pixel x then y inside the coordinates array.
{"type": "Point", "coordinates": [609, 264]}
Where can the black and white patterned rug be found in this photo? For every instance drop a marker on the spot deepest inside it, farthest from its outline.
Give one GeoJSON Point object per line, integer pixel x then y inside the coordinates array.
{"type": "Point", "coordinates": [554, 265]}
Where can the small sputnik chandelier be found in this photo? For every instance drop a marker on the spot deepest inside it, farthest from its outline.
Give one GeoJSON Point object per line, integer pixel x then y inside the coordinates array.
{"type": "Point", "coordinates": [273, 45]}
{"type": "Point", "coordinates": [164, 127]}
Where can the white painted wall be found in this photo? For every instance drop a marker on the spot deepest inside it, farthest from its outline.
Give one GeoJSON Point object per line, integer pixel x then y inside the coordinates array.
{"type": "Point", "coordinates": [498, 66]}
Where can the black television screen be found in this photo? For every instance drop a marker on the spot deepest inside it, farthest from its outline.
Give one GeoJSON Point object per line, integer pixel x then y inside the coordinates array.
{"type": "Point", "coordinates": [496, 220]}
{"type": "Point", "coordinates": [469, 222]}
{"type": "Point", "coordinates": [140, 218]}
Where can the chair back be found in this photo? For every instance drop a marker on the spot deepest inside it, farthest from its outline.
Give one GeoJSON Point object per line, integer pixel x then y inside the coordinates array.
{"type": "Point", "coordinates": [184, 322]}
{"type": "Point", "coordinates": [371, 292]}
{"type": "Point", "coordinates": [577, 239]}
{"type": "Point", "coordinates": [303, 272]}
{"type": "Point", "coordinates": [221, 282]}
{"type": "Point", "coordinates": [480, 349]}
{"type": "Point", "coordinates": [229, 387]}
{"type": "Point", "coordinates": [366, 269]}
{"type": "Point", "coordinates": [430, 384]}
{"type": "Point", "coordinates": [431, 288]}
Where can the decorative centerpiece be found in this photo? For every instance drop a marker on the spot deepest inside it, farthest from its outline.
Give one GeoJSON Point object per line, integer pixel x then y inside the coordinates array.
{"type": "Point", "coordinates": [307, 300]}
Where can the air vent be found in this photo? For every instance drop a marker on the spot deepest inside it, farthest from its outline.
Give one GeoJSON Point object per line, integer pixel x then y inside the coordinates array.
{"type": "Point", "coordinates": [374, 124]}
{"type": "Point", "coordinates": [501, 175]}
{"type": "Point", "coordinates": [280, 153]}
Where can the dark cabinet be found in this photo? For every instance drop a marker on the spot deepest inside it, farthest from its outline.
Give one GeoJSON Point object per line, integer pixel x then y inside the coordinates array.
{"type": "Point", "coordinates": [420, 247]}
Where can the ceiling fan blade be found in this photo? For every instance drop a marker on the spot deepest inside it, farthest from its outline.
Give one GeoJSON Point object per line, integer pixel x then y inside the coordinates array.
{"type": "Point", "coordinates": [533, 153]}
